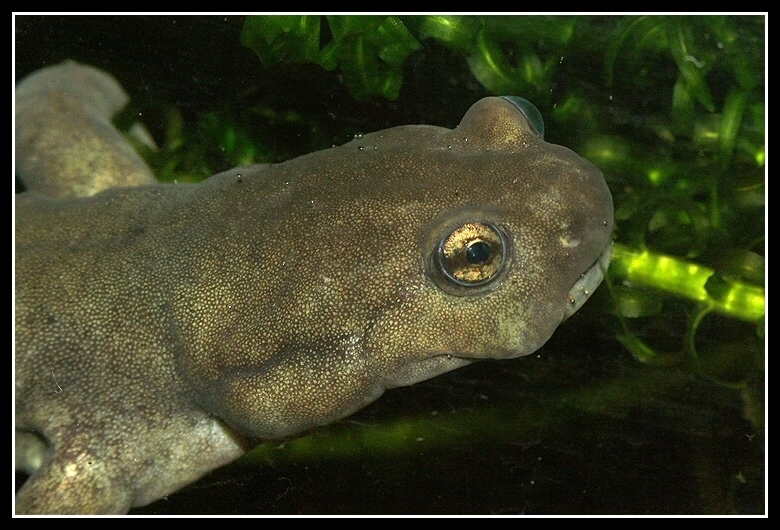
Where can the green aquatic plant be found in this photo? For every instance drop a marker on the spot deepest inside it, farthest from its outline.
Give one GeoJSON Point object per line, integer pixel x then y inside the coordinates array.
{"type": "Point", "coordinates": [507, 55]}
{"type": "Point", "coordinates": [369, 50]}
{"type": "Point", "coordinates": [690, 210]}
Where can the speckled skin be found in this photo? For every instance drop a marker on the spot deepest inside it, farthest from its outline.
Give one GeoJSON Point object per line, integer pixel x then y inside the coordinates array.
{"type": "Point", "coordinates": [161, 328]}
{"type": "Point", "coordinates": [65, 143]}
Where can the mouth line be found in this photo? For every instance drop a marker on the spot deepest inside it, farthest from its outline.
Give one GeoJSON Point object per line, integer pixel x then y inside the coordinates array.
{"type": "Point", "coordinates": [583, 288]}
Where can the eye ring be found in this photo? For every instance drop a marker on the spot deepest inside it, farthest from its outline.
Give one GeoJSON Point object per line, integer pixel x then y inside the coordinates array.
{"type": "Point", "coordinates": [472, 255]}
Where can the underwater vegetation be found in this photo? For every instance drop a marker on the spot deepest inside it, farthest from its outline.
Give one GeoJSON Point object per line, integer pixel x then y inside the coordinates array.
{"type": "Point", "coordinates": [666, 363]}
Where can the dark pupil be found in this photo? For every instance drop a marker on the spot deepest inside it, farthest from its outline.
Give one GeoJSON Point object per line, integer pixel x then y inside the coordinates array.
{"type": "Point", "coordinates": [478, 252]}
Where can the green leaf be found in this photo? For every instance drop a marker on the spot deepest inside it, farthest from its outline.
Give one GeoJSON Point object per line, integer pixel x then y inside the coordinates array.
{"type": "Point", "coordinates": [279, 38]}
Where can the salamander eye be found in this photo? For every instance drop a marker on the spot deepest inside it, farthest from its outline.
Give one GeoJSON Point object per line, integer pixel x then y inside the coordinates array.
{"type": "Point", "coordinates": [472, 255]}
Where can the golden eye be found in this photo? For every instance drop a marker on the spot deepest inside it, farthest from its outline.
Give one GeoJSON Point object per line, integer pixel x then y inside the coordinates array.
{"type": "Point", "coordinates": [472, 254]}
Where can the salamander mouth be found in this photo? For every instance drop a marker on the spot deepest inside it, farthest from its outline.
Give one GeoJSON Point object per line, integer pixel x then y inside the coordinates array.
{"type": "Point", "coordinates": [588, 281]}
